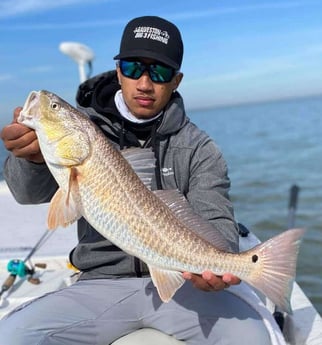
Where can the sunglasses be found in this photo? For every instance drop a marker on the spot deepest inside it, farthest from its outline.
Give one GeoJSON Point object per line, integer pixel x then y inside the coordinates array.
{"type": "Point", "coordinates": [157, 72]}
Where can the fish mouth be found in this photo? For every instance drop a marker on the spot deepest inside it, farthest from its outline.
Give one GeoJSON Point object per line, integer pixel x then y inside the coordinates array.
{"type": "Point", "coordinates": [30, 108]}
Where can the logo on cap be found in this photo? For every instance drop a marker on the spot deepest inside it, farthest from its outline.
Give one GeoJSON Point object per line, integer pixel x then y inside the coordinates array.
{"type": "Point", "coordinates": [148, 32]}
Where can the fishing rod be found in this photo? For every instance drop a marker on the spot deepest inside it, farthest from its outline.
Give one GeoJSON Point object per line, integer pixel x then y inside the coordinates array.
{"type": "Point", "coordinates": [17, 267]}
{"type": "Point", "coordinates": [294, 191]}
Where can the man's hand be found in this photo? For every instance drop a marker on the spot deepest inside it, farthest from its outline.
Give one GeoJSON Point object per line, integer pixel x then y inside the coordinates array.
{"type": "Point", "coordinates": [21, 140]}
{"type": "Point", "coordinates": [210, 282]}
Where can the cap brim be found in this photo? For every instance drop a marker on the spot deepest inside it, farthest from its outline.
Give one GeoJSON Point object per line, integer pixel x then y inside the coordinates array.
{"type": "Point", "coordinates": [147, 54]}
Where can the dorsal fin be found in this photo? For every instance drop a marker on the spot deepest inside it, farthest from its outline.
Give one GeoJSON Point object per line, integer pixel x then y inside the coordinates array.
{"type": "Point", "coordinates": [142, 162]}
{"type": "Point", "coordinates": [184, 212]}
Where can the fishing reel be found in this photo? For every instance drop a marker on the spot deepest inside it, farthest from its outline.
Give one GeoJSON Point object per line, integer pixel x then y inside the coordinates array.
{"type": "Point", "coordinates": [19, 268]}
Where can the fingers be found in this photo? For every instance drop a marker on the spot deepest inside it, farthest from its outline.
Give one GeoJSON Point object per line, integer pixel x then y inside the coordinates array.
{"type": "Point", "coordinates": [21, 140]}
{"type": "Point", "coordinates": [13, 132]}
{"type": "Point", "coordinates": [230, 279]}
{"type": "Point", "coordinates": [205, 282]}
{"type": "Point", "coordinates": [16, 136]}
{"type": "Point", "coordinates": [24, 146]}
{"type": "Point", "coordinates": [214, 282]}
{"type": "Point", "coordinates": [210, 282]}
{"type": "Point", "coordinates": [16, 113]}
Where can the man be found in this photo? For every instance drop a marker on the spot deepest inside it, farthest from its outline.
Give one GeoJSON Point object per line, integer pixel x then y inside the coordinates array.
{"type": "Point", "coordinates": [136, 105]}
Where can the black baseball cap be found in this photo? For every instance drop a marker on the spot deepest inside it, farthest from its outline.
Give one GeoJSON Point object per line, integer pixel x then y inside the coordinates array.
{"type": "Point", "coordinates": [152, 37]}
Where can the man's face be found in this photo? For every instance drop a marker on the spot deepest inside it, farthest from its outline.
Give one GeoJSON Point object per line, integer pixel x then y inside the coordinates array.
{"type": "Point", "coordinates": [144, 97]}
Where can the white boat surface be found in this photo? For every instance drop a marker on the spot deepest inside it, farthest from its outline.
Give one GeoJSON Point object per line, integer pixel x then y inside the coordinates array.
{"type": "Point", "coordinates": [24, 224]}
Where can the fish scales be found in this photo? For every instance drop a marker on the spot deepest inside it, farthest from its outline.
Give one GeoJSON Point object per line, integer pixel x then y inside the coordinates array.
{"type": "Point", "coordinates": [97, 182]}
{"type": "Point", "coordinates": [148, 209]}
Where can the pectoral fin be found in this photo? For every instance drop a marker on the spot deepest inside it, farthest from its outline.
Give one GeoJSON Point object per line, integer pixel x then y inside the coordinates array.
{"type": "Point", "coordinates": [65, 208]}
{"type": "Point", "coordinates": [166, 282]}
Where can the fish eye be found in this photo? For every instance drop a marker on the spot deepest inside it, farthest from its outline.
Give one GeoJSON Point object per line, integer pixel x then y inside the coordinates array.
{"type": "Point", "coordinates": [55, 106]}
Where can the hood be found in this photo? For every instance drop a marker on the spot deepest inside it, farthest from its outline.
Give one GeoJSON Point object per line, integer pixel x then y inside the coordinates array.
{"type": "Point", "coordinates": [98, 93]}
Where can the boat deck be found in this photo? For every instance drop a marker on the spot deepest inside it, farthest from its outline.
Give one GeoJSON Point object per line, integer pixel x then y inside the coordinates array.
{"type": "Point", "coordinates": [25, 224]}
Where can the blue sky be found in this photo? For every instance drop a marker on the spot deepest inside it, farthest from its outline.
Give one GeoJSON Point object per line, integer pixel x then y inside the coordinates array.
{"type": "Point", "coordinates": [235, 51]}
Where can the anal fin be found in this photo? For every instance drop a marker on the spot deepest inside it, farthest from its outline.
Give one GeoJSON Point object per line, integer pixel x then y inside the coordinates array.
{"type": "Point", "coordinates": [167, 282]}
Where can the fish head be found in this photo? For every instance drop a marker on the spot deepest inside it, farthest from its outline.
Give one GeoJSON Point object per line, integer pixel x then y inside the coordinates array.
{"type": "Point", "coordinates": [45, 112]}
{"type": "Point", "coordinates": [30, 110]}
{"type": "Point", "coordinates": [60, 128]}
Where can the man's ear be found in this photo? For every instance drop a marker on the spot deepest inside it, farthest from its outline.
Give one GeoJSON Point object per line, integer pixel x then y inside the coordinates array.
{"type": "Point", "coordinates": [177, 80]}
{"type": "Point", "coordinates": [118, 72]}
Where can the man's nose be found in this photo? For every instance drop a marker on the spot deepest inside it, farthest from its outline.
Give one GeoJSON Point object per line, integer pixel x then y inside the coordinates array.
{"type": "Point", "coordinates": [145, 82]}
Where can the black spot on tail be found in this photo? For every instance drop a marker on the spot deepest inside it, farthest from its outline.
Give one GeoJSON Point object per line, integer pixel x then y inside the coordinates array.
{"type": "Point", "coordinates": [254, 258]}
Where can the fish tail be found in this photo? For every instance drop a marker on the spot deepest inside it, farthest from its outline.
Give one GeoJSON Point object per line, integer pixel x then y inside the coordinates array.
{"type": "Point", "coordinates": [276, 267]}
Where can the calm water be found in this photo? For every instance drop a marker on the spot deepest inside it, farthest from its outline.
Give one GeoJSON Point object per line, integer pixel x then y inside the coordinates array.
{"type": "Point", "coordinates": [268, 148]}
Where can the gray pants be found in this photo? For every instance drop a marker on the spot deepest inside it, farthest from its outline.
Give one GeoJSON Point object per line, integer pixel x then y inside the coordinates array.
{"type": "Point", "coordinates": [101, 311]}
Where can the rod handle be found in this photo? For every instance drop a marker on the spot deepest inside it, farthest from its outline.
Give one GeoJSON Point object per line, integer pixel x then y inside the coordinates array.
{"type": "Point", "coordinates": [293, 196]}
{"type": "Point", "coordinates": [8, 282]}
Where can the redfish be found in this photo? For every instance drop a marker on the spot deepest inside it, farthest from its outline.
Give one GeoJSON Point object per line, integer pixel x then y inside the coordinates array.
{"type": "Point", "coordinates": [111, 190]}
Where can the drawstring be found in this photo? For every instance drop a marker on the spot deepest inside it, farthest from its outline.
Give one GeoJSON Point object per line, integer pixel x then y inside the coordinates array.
{"type": "Point", "coordinates": [156, 150]}
{"type": "Point", "coordinates": [153, 133]}
{"type": "Point", "coordinates": [122, 136]}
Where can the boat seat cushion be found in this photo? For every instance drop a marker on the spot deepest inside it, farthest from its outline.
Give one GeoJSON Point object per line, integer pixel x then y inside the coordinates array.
{"type": "Point", "coordinates": [147, 336]}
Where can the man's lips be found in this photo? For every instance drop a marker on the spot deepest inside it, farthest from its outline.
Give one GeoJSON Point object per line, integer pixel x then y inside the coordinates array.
{"type": "Point", "coordinates": [144, 101]}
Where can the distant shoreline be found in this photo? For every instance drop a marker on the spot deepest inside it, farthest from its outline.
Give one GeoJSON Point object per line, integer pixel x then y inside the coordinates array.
{"type": "Point", "coordinates": [255, 102]}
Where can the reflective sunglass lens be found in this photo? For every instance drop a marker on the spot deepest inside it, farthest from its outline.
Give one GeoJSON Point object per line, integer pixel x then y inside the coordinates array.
{"type": "Point", "coordinates": [135, 69]}
{"type": "Point", "coordinates": [131, 69]}
{"type": "Point", "coordinates": [161, 74]}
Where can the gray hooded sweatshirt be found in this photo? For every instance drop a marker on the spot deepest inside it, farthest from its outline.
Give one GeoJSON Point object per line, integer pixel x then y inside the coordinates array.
{"type": "Point", "coordinates": [187, 160]}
